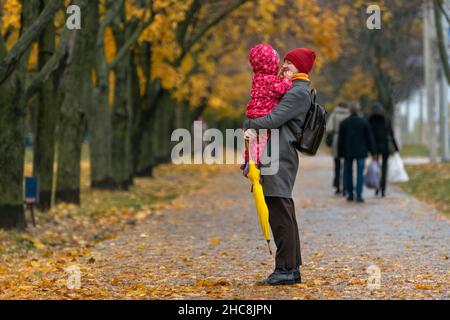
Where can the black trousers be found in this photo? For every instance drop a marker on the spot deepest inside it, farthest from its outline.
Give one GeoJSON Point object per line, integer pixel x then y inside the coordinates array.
{"type": "Point", "coordinates": [285, 232]}
{"type": "Point", "coordinates": [337, 174]}
{"type": "Point", "coordinates": [384, 169]}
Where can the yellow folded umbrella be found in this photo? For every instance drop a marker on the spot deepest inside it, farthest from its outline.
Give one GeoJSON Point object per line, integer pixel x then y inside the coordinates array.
{"type": "Point", "coordinates": [254, 174]}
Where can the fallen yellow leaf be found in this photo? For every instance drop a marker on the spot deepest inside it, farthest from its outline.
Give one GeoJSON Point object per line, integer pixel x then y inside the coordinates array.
{"type": "Point", "coordinates": [215, 241]}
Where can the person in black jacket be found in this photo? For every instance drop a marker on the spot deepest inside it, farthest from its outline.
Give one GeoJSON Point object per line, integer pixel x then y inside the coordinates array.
{"type": "Point", "coordinates": [384, 139]}
{"type": "Point", "coordinates": [355, 142]}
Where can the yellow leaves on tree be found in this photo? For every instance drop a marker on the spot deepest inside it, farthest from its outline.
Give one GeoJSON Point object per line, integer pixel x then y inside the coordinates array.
{"type": "Point", "coordinates": [110, 45]}
{"type": "Point", "coordinates": [161, 34]}
{"type": "Point", "coordinates": [10, 16]}
{"type": "Point", "coordinates": [229, 96]}
{"type": "Point", "coordinates": [133, 11]}
{"type": "Point", "coordinates": [216, 69]}
{"type": "Point", "coordinates": [358, 85]}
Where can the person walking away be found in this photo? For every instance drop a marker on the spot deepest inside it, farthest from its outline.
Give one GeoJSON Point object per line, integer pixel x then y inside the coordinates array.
{"type": "Point", "coordinates": [385, 141]}
{"type": "Point", "coordinates": [355, 142]}
{"type": "Point", "coordinates": [339, 114]}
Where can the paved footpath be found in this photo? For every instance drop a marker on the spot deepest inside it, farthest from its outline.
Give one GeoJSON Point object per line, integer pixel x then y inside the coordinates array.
{"type": "Point", "coordinates": [208, 245]}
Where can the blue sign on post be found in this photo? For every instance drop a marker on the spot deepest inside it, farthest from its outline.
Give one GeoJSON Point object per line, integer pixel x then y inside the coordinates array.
{"type": "Point", "coordinates": [31, 190]}
{"type": "Point", "coordinates": [31, 195]}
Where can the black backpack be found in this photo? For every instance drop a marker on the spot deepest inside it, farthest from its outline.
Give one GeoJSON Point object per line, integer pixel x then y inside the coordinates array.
{"type": "Point", "coordinates": [309, 138]}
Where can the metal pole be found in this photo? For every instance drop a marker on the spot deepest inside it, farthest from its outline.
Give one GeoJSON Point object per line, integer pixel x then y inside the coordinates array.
{"type": "Point", "coordinates": [443, 106]}
{"type": "Point", "coordinates": [430, 76]}
{"type": "Point", "coordinates": [407, 121]}
{"type": "Point", "coordinates": [421, 120]}
{"type": "Point", "coordinates": [443, 97]}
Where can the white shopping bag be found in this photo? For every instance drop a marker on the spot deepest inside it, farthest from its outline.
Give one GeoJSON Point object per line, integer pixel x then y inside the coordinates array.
{"type": "Point", "coordinates": [396, 169]}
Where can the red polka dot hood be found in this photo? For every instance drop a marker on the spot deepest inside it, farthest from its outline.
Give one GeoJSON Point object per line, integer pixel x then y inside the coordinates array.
{"type": "Point", "coordinates": [264, 59]}
{"type": "Point", "coordinates": [267, 88]}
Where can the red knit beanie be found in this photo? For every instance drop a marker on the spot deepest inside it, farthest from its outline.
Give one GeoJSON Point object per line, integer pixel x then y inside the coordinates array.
{"type": "Point", "coordinates": [302, 58]}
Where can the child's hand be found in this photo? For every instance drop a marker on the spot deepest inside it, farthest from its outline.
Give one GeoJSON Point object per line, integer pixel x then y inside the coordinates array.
{"type": "Point", "coordinates": [245, 168]}
{"type": "Point", "coordinates": [281, 73]}
{"type": "Point", "coordinates": [288, 74]}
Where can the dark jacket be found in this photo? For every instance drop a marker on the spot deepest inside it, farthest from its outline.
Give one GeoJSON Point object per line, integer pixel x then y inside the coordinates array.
{"type": "Point", "coordinates": [355, 138]}
{"type": "Point", "coordinates": [382, 133]}
{"type": "Point", "coordinates": [294, 105]}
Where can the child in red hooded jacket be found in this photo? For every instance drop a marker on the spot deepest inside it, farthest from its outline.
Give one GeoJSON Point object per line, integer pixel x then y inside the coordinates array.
{"type": "Point", "coordinates": [267, 90]}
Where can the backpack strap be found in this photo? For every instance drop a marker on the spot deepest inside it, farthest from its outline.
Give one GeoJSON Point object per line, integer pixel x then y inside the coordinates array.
{"type": "Point", "coordinates": [295, 129]}
{"type": "Point", "coordinates": [313, 95]}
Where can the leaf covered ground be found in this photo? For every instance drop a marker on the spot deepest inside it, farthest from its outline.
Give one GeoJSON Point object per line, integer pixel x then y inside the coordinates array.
{"type": "Point", "coordinates": [67, 232]}
{"type": "Point", "coordinates": [206, 244]}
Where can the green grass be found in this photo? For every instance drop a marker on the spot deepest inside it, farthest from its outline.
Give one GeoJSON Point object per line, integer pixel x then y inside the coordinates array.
{"type": "Point", "coordinates": [430, 183]}
{"type": "Point", "coordinates": [414, 150]}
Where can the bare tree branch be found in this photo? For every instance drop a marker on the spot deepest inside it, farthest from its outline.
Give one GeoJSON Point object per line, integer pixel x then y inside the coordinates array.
{"type": "Point", "coordinates": [8, 65]}
{"type": "Point", "coordinates": [208, 27]}
{"type": "Point", "coordinates": [444, 12]}
{"type": "Point", "coordinates": [440, 39]}
{"type": "Point", "coordinates": [50, 67]}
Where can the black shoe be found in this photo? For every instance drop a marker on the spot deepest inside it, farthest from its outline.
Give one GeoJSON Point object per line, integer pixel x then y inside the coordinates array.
{"type": "Point", "coordinates": [377, 192]}
{"type": "Point", "coordinates": [360, 200]}
{"type": "Point", "coordinates": [296, 272]}
{"type": "Point", "coordinates": [338, 192]}
{"type": "Point", "coordinates": [284, 277]}
{"type": "Point", "coordinates": [297, 275]}
{"type": "Point", "coordinates": [350, 199]}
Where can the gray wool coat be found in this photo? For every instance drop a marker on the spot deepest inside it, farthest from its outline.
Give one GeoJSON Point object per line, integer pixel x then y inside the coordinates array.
{"type": "Point", "coordinates": [294, 105]}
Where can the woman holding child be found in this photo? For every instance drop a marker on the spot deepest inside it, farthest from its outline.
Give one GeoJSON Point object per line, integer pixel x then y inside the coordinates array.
{"type": "Point", "coordinates": [293, 105]}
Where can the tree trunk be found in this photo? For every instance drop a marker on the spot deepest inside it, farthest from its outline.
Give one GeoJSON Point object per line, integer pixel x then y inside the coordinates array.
{"type": "Point", "coordinates": [70, 139]}
{"type": "Point", "coordinates": [100, 124]}
{"type": "Point", "coordinates": [142, 123]}
{"type": "Point", "coordinates": [13, 71]}
{"type": "Point", "coordinates": [47, 113]}
{"type": "Point", "coordinates": [133, 98]}
{"type": "Point", "coordinates": [78, 96]}
{"type": "Point", "coordinates": [12, 150]}
{"type": "Point", "coordinates": [100, 128]}
{"type": "Point", "coordinates": [121, 130]}
{"type": "Point", "coordinates": [126, 95]}
{"type": "Point", "coordinates": [163, 128]}
{"type": "Point", "coordinates": [145, 134]}
{"type": "Point", "coordinates": [145, 158]}
{"type": "Point", "coordinates": [72, 127]}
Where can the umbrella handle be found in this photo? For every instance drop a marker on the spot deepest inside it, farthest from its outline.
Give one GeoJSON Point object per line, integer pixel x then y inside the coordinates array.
{"type": "Point", "coordinates": [246, 149]}
{"type": "Point", "coordinates": [268, 245]}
